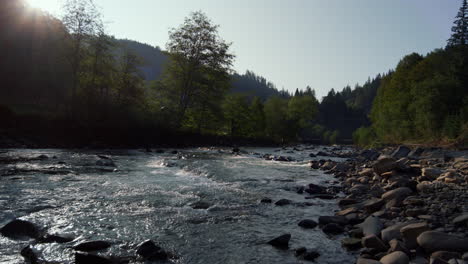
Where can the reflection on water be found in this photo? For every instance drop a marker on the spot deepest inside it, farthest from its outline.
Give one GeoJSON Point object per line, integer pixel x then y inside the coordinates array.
{"type": "Point", "coordinates": [150, 195]}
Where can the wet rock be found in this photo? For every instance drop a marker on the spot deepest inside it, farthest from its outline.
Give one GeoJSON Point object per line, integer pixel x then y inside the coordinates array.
{"type": "Point", "coordinates": [333, 229]}
{"type": "Point", "coordinates": [367, 261]}
{"type": "Point", "coordinates": [200, 205]}
{"type": "Point", "coordinates": [311, 255]}
{"type": "Point", "coordinates": [461, 220]}
{"type": "Point", "coordinates": [371, 226]}
{"type": "Point", "coordinates": [92, 246]}
{"type": "Point", "coordinates": [55, 239]}
{"type": "Point", "coordinates": [266, 200]}
{"type": "Point", "coordinates": [307, 223]}
{"type": "Point", "coordinates": [341, 167]}
{"type": "Point", "coordinates": [433, 241]}
{"type": "Point", "coordinates": [148, 250]}
{"type": "Point", "coordinates": [30, 255]}
{"type": "Point", "coordinates": [398, 194]}
{"type": "Point", "coordinates": [85, 258]}
{"type": "Point", "coordinates": [396, 257]}
{"type": "Point", "coordinates": [372, 241]}
{"type": "Point", "coordinates": [345, 212]}
{"type": "Point", "coordinates": [351, 243]}
{"type": "Point", "coordinates": [281, 242]}
{"type": "Point", "coordinates": [340, 220]}
{"type": "Point", "coordinates": [300, 251]}
{"type": "Point", "coordinates": [368, 172]}
{"type": "Point", "coordinates": [322, 196]}
{"type": "Point", "coordinates": [283, 202]}
{"type": "Point", "coordinates": [414, 201]}
{"type": "Point", "coordinates": [315, 189]}
{"type": "Point", "coordinates": [431, 173]}
{"type": "Point", "coordinates": [384, 164]}
{"type": "Point", "coordinates": [20, 229]}
{"type": "Point", "coordinates": [105, 163]}
{"type": "Point", "coordinates": [392, 232]}
{"type": "Point", "coordinates": [445, 255]}
{"type": "Point", "coordinates": [397, 245]}
{"type": "Point", "coordinates": [345, 202]}
{"type": "Point", "coordinates": [416, 152]}
{"type": "Point", "coordinates": [411, 232]}
{"type": "Point", "coordinates": [401, 152]}
{"type": "Point", "coordinates": [373, 205]}
{"type": "Point", "coordinates": [42, 157]}
{"type": "Point", "coordinates": [369, 154]}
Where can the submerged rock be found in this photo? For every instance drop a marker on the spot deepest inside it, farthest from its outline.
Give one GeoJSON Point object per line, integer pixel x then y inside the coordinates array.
{"type": "Point", "coordinates": [55, 239]}
{"type": "Point", "coordinates": [283, 202]}
{"type": "Point", "coordinates": [281, 242]}
{"type": "Point", "coordinates": [92, 246]}
{"type": "Point", "coordinates": [20, 229]}
{"type": "Point", "coordinates": [30, 255]}
{"type": "Point", "coordinates": [85, 258]}
{"type": "Point", "coordinates": [333, 229]}
{"type": "Point", "coordinates": [201, 205]}
{"type": "Point", "coordinates": [150, 251]}
{"type": "Point", "coordinates": [307, 223]}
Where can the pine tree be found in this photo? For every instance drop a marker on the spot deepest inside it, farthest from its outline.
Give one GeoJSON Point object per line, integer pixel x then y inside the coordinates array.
{"type": "Point", "coordinates": [460, 29]}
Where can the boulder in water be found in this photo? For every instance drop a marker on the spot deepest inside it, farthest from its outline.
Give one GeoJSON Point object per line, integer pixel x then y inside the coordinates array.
{"type": "Point", "coordinates": [92, 245]}
{"type": "Point", "coordinates": [150, 251]}
{"type": "Point", "coordinates": [200, 205]}
{"type": "Point", "coordinates": [307, 223]}
{"type": "Point", "coordinates": [281, 242]}
{"type": "Point", "coordinates": [283, 202]}
{"type": "Point", "coordinates": [85, 258]}
{"type": "Point", "coordinates": [20, 229]}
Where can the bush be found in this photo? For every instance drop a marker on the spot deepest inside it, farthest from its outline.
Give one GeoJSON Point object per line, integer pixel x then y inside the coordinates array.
{"type": "Point", "coordinates": [365, 137]}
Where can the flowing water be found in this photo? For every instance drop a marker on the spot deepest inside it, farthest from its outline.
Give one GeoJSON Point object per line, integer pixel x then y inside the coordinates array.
{"type": "Point", "coordinates": [149, 195]}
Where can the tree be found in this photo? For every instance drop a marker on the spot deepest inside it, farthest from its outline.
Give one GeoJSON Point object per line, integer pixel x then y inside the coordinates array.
{"type": "Point", "coordinates": [130, 78]}
{"type": "Point", "coordinates": [257, 118]}
{"type": "Point", "coordinates": [82, 20]}
{"type": "Point", "coordinates": [197, 54]}
{"type": "Point", "coordinates": [237, 114]}
{"type": "Point", "coordinates": [276, 119]}
{"type": "Point", "coordinates": [460, 28]}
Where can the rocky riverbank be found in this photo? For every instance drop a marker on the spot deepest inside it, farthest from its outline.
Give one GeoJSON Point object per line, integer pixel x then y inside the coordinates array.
{"type": "Point", "coordinates": [402, 205]}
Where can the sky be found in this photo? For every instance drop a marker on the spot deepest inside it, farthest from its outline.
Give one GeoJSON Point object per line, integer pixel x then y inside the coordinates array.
{"type": "Point", "coordinates": [294, 43]}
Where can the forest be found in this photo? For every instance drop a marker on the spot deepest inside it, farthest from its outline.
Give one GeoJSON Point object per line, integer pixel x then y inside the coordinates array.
{"type": "Point", "coordinates": [67, 81]}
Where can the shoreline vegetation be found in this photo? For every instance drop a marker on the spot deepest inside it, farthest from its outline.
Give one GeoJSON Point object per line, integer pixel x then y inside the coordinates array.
{"type": "Point", "coordinates": [69, 83]}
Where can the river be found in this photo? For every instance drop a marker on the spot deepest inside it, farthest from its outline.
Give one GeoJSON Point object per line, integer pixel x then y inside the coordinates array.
{"type": "Point", "coordinates": [149, 196]}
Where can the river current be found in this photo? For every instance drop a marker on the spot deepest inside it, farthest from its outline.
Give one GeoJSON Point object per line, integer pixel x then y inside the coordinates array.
{"type": "Point", "coordinates": [150, 196]}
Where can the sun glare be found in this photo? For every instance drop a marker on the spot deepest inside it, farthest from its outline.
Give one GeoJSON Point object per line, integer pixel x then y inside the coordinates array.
{"type": "Point", "coordinates": [50, 6]}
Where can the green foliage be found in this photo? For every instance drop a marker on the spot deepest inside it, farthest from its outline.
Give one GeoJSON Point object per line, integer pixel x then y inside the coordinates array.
{"type": "Point", "coordinates": [365, 137]}
{"type": "Point", "coordinates": [460, 28]}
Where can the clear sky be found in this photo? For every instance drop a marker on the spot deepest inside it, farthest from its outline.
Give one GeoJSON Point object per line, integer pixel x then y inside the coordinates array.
{"type": "Point", "coordinates": [294, 43]}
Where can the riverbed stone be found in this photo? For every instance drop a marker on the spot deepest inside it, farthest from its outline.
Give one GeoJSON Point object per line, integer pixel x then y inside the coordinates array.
{"type": "Point", "coordinates": [411, 232]}
{"type": "Point", "coordinates": [392, 232]}
{"type": "Point", "coordinates": [399, 194]}
{"type": "Point", "coordinates": [461, 220]}
{"type": "Point", "coordinates": [283, 202]}
{"type": "Point", "coordinates": [340, 220]}
{"type": "Point", "coordinates": [351, 243]}
{"type": "Point", "coordinates": [311, 255]}
{"type": "Point", "coordinates": [433, 241]}
{"type": "Point", "coordinates": [307, 223]}
{"type": "Point", "coordinates": [333, 229]}
{"type": "Point", "coordinates": [30, 254]}
{"type": "Point", "coordinates": [396, 257]}
{"type": "Point", "coordinates": [372, 241]}
{"type": "Point", "coordinates": [397, 245]}
{"type": "Point", "coordinates": [431, 173]}
{"type": "Point", "coordinates": [201, 205]}
{"type": "Point", "coordinates": [401, 152]}
{"type": "Point", "coordinates": [281, 242]}
{"type": "Point", "coordinates": [373, 205]}
{"type": "Point", "coordinates": [19, 229]}
{"type": "Point", "coordinates": [445, 255]}
{"type": "Point", "coordinates": [371, 226]}
{"type": "Point", "coordinates": [384, 164]}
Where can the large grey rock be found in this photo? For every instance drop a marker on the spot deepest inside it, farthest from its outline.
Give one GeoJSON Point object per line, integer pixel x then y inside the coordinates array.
{"type": "Point", "coordinates": [396, 257]}
{"type": "Point", "coordinates": [398, 194]}
{"type": "Point", "coordinates": [372, 241]}
{"type": "Point", "coordinates": [371, 226]}
{"type": "Point", "coordinates": [351, 243]}
{"type": "Point", "coordinates": [411, 232]}
{"type": "Point", "coordinates": [384, 164]}
{"type": "Point", "coordinates": [433, 241]}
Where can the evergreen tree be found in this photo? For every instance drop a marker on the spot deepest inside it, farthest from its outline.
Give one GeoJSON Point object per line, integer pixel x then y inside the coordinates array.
{"type": "Point", "coordinates": [460, 29]}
